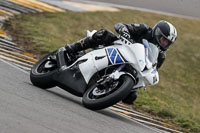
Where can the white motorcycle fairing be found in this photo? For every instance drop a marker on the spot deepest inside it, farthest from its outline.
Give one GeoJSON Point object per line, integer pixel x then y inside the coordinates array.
{"type": "Point", "coordinates": [123, 52]}
{"type": "Point", "coordinates": [103, 76]}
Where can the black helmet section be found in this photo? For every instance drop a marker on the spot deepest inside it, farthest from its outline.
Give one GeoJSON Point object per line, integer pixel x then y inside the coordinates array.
{"type": "Point", "coordinates": [165, 34]}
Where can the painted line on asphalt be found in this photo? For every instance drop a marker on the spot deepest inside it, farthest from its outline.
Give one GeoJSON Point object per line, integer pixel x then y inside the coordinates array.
{"type": "Point", "coordinates": [91, 7]}
{"type": "Point", "coordinates": [16, 7]}
{"type": "Point", "coordinates": [19, 55]}
{"type": "Point", "coordinates": [10, 48]}
{"type": "Point", "coordinates": [2, 33]}
{"type": "Point", "coordinates": [145, 120]}
{"type": "Point", "coordinates": [27, 4]}
{"type": "Point", "coordinates": [6, 12]}
{"type": "Point", "coordinates": [14, 12]}
{"type": "Point", "coordinates": [80, 7]}
{"type": "Point", "coordinates": [128, 117]}
{"type": "Point", "coordinates": [28, 69]}
{"type": "Point", "coordinates": [15, 61]}
{"type": "Point", "coordinates": [14, 66]}
{"type": "Point", "coordinates": [63, 5]}
{"type": "Point", "coordinates": [17, 58]}
{"type": "Point", "coordinates": [8, 42]}
{"type": "Point", "coordinates": [45, 7]}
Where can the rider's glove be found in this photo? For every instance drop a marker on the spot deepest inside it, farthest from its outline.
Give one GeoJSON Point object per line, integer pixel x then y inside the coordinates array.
{"type": "Point", "coordinates": [99, 35]}
{"type": "Point", "coordinates": [126, 35]}
{"type": "Point", "coordinates": [124, 32]}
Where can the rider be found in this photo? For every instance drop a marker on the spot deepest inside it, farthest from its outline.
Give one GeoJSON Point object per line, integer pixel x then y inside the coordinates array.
{"type": "Point", "coordinates": [163, 34]}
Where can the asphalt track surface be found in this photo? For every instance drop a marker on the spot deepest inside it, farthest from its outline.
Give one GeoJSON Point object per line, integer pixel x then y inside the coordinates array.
{"type": "Point", "coordinates": [188, 8]}
{"type": "Point", "coordinates": [25, 108]}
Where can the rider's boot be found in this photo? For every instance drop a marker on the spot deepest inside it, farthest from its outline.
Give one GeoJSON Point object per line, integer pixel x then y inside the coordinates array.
{"type": "Point", "coordinates": [70, 50]}
{"type": "Point", "coordinates": [132, 96]}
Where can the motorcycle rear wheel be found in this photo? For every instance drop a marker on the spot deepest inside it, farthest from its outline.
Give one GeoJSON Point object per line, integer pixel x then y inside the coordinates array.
{"type": "Point", "coordinates": [40, 75]}
{"type": "Point", "coordinates": [92, 101]}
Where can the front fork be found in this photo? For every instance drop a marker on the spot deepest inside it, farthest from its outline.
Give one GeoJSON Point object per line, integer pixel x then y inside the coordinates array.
{"type": "Point", "coordinates": [107, 80]}
{"type": "Point", "coordinates": [60, 56]}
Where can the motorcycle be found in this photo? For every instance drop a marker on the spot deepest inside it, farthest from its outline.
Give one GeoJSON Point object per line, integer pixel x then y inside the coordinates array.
{"type": "Point", "coordinates": [101, 76]}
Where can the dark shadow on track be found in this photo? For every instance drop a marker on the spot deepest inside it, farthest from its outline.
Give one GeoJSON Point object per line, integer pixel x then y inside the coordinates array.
{"type": "Point", "coordinates": [76, 100]}
{"type": "Point", "coordinates": [59, 94]}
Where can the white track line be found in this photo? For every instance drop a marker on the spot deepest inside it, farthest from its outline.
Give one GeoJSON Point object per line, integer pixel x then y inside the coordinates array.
{"type": "Point", "coordinates": [14, 66]}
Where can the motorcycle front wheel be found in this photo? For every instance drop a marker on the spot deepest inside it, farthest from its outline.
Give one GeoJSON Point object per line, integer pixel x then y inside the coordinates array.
{"type": "Point", "coordinates": [95, 98]}
{"type": "Point", "coordinates": [42, 72]}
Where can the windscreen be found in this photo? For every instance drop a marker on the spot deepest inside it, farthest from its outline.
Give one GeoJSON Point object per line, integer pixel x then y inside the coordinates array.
{"type": "Point", "coordinates": [153, 52]}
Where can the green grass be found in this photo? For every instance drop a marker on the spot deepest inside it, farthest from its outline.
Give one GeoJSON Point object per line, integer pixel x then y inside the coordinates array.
{"type": "Point", "coordinates": [176, 97]}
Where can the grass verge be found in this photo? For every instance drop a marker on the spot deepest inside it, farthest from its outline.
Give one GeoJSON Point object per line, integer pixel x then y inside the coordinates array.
{"type": "Point", "coordinates": [175, 98]}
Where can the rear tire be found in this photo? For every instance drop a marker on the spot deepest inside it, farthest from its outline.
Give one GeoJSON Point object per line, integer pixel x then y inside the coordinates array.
{"type": "Point", "coordinates": [42, 77]}
{"type": "Point", "coordinates": [108, 100]}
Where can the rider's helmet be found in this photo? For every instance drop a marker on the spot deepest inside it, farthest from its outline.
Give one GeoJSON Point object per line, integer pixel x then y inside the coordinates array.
{"type": "Point", "coordinates": [165, 34]}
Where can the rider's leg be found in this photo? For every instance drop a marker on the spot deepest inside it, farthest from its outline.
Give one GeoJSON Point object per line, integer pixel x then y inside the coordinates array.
{"type": "Point", "coordinates": [102, 37]}
{"type": "Point", "coordinates": [80, 45]}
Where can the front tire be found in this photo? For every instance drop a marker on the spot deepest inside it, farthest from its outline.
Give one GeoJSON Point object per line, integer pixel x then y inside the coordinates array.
{"type": "Point", "coordinates": [103, 101]}
{"type": "Point", "coordinates": [40, 75]}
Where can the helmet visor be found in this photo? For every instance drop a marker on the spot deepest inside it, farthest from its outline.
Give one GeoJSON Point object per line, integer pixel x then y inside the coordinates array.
{"type": "Point", "coordinates": [163, 41]}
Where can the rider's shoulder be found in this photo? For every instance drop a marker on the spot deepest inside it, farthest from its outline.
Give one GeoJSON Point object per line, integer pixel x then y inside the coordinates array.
{"type": "Point", "coordinates": [141, 25]}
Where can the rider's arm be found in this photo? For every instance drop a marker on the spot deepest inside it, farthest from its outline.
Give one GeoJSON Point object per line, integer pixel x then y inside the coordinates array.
{"type": "Point", "coordinates": [133, 29]}
{"type": "Point", "coordinates": [161, 59]}
{"type": "Point", "coordinates": [121, 28]}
